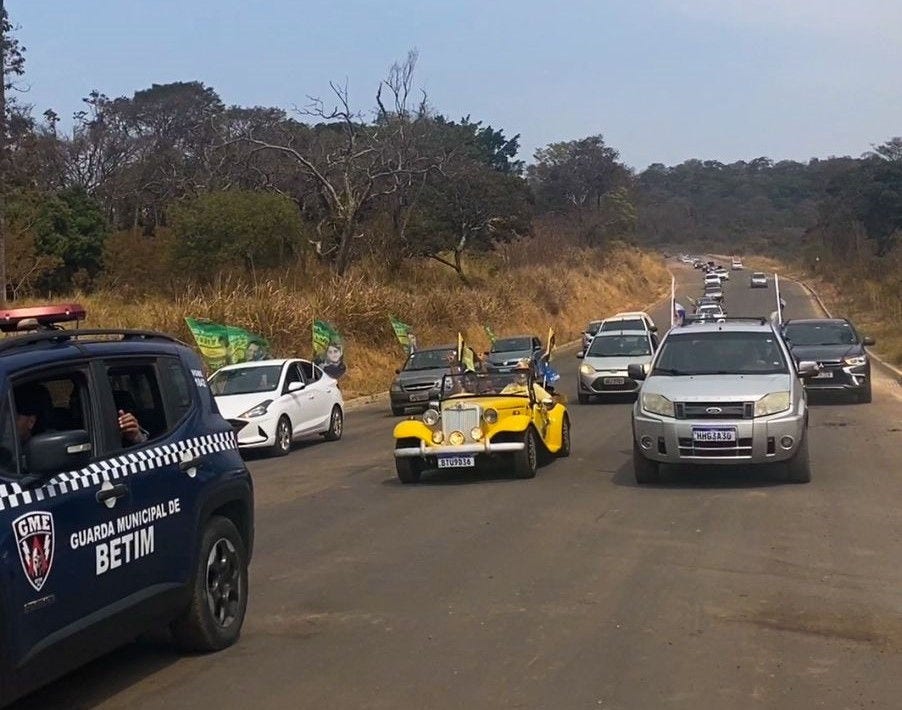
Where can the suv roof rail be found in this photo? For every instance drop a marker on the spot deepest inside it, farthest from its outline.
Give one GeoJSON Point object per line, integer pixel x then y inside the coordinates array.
{"type": "Point", "coordinates": [724, 319]}
{"type": "Point", "coordinates": [21, 341]}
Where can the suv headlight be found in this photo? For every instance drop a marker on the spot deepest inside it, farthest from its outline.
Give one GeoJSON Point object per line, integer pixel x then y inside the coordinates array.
{"type": "Point", "coordinates": [586, 369]}
{"type": "Point", "coordinates": [257, 411]}
{"type": "Point", "coordinates": [772, 404]}
{"type": "Point", "coordinates": [657, 404]}
{"type": "Point", "coordinates": [855, 360]}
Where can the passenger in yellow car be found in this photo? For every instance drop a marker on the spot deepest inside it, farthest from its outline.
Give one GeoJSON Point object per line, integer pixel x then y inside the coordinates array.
{"type": "Point", "coordinates": [520, 382]}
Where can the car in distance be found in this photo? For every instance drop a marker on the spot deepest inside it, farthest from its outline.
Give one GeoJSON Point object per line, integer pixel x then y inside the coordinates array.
{"type": "Point", "coordinates": [839, 351]}
{"type": "Point", "coordinates": [713, 291]}
{"type": "Point", "coordinates": [758, 280]}
{"type": "Point", "coordinates": [507, 352]}
{"type": "Point", "coordinates": [722, 393]}
{"type": "Point", "coordinates": [272, 403]}
{"type": "Point", "coordinates": [421, 373]}
{"type": "Point", "coordinates": [479, 417]}
{"type": "Point", "coordinates": [604, 367]}
{"type": "Point", "coordinates": [629, 320]}
{"type": "Point", "coordinates": [709, 311]}
{"type": "Point", "coordinates": [722, 272]}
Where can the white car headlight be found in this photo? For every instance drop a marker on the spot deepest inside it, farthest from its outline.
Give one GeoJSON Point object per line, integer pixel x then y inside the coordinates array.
{"type": "Point", "coordinates": [855, 361]}
{"type": "Point", "coordinates": [586, 369]}
{"type": "Point", "coordinates": [257, 411]}
{"type": "Point", "coordinates": [772, 404]}
{"type": "Point", "coordinates": [657, 404]}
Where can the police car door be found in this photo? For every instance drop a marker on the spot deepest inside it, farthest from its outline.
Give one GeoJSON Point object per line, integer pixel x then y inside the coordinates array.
{"type": "Point", "coordinates": [152, 550]}
{"type": "Point", "coordinates": [51, 521]}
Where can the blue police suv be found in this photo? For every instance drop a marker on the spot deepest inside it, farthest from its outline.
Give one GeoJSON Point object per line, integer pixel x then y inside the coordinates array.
{"type": "Point", "coordinates": [124, 504]}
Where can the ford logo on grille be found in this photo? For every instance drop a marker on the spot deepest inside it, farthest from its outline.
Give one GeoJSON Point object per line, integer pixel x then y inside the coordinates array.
{"type": "Point", "coordinates": [714, 410]}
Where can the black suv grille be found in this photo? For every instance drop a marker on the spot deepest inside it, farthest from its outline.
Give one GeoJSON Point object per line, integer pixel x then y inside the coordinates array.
{"type": "Point", "coordinates": [715, 410]}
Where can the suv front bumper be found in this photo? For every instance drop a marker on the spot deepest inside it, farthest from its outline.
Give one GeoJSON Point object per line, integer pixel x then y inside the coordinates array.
{"type": "Point", "coordinates": [760, 440]}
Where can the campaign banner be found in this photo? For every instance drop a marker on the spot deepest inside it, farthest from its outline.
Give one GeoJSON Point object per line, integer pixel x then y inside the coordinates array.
{"type": "Point", "coordinates": [328, 349]}
{"type": "Point", "coordinates": [405, 335]}
{"type": "Point", "coordinates": [549, 345]}
{"type": "Point", "coordinates": [222, 345]}
{"type": "Point", "coordinates": [491, 334]}
{"type": "Point", "coordinates": [466, 356]}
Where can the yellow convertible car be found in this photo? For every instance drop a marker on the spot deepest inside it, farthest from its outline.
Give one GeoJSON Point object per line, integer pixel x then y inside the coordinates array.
{"type": "Point", "coordinates": [478, 417]}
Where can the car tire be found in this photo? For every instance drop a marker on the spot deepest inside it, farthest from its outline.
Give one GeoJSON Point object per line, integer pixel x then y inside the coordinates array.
{"type": "Point", "coordinates": [644, 469]}
{"type": "Point", "coordinates": [282, 445]}
{"type": "Point", "coordinates": [336, 424]}
{"type": "Point", "coordinates": [583, 398]}
{"type": "Point", "coordinates": [214, 616]}
{"type": "Point", "coordinates": [798, 468]}
{"type": "Point", "coordinates": [526, 462]}
{"type": "Point", "coordinates": [565, 438]}
{"type": "Point", "coordinates": [409, 470]}
{"type": "Point", "coordinates": [865, 396]}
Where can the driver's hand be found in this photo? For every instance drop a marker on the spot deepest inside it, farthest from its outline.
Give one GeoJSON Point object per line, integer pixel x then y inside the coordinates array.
{"type": "Point", "coordinates": [128, 425]}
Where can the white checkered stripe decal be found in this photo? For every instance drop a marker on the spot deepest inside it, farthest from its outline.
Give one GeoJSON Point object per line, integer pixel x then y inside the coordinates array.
{"type": "Point", "coordinates": [12, 495]}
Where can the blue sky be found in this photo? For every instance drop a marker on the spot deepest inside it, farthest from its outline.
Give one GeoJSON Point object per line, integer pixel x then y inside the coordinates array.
{"type": "Point", "coordinates": [662, 80]}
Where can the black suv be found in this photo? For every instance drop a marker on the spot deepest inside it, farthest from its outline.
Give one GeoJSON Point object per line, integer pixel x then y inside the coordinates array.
{"type": "Point", "coordinates": [124, 504]}
{"type": "Point", "coordinates": [839, 351]}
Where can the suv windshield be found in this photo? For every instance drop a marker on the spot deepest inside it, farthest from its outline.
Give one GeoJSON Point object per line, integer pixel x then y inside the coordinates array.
{"type": "Point", "coordinates": [508, 345]}
{"type": "Point", "coordinates": [619, 346]}
{"type": "Point", "coordinates": [721, 353]}
{"type": "Point", "coordinates": [256, 378]}
{"type": "Point", "coordinates": [821, 334]}
{"type": "Point", "coordinates": [626, 324]}
{"type": "Point", "coordinates": [430, 359]}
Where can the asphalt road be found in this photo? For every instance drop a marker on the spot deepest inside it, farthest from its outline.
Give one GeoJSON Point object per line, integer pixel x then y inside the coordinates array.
{"type": "Point", "coordinates": [577, 589]}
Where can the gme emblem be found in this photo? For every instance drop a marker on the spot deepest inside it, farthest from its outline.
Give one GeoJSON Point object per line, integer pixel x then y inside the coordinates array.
{"type": "Point", "coordinates": [714, 410]}
{"type": "Point", "coordinates": [35, 542]}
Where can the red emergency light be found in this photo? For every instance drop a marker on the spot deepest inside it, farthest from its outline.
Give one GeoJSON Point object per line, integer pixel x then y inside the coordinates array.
{"type": "Point", "coordinates": [40, 317]}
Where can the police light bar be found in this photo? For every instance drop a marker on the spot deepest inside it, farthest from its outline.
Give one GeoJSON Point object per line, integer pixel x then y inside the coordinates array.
{"type": "Point", "coordinates": [40, 317]}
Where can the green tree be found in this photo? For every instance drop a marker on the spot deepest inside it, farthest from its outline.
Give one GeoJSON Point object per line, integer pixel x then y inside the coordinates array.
{"type": "Point", "coordinates": [235, 229]}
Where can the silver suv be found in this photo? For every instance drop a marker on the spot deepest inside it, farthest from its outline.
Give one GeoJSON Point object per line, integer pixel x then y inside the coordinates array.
{"type": "Point", "coordinates": [722, 393]}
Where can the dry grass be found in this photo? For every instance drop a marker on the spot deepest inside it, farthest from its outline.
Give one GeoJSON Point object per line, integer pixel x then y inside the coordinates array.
{"type": "Point", "coordinates": [506, 292]}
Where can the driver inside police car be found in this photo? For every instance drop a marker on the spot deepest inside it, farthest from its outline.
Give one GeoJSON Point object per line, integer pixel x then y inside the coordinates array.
{"type": "Point", "coordinates": [34, 405]}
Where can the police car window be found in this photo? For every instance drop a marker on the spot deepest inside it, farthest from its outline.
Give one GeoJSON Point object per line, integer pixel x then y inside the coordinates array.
{"type": "Point", "coordinates": [8, 465]}
{"type": "Point", "coordinates": [53, 403]}
{"type": "Point", "coordinates": [311, 371]}
{"type": "Point", "coordinates": [136, 391]}
{"type": "Point", "coordinates": [177, 387]}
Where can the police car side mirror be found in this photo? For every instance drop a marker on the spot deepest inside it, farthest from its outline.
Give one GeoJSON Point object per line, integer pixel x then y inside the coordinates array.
{"type": "Point", "coordinates": [635, 371]}
{"type": "Point", "coordinates": [57, 452]}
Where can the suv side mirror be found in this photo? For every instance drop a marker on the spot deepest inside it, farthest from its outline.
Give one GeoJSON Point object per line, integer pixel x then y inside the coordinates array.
{"type": "Point", "coordinates": [57, 451]}
{"type": "Point", "coordinates": [580, 355]}
{"type": "Point", "coordinates": [654, 329]}
{"type": "Point", "coordinates": [808, 368]}
{"type": "Point", "coordinates": [635, 371]}
{"type": "Point", "coordinates": [397, 370]}
{"type": "Point", "coordinates": [296, 386]}
{"type": "Point", "coordinates": [869, 341]}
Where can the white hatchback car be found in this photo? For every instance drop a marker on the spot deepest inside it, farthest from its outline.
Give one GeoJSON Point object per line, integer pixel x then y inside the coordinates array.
{"type": "Point", "coordinates": [271, 403]}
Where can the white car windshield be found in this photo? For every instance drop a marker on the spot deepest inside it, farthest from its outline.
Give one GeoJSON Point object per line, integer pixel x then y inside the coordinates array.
{"type": "Point", "coordinates": [245, 380]}
{"type": "Point", "coordinates": [619, 346]}
{"type": "Point", "coordinates": [738, 353]}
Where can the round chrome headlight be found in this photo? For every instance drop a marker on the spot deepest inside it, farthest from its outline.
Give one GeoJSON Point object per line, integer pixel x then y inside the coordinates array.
{"type": "Point", "coordinates": [437, 437]}
{"type": "Point", "coordinates": [490, 416]}
{"type": "Point", "coordinates": [476, 433]}
{"type": "Point", "coordinates": [431, 417]}
{"type": "Point", "coordinates": [456, 438]}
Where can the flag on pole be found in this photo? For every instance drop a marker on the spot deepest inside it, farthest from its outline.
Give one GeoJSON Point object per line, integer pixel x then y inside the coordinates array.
{"type": "Point", "coordinates": [222, 345]}
{"type": "Point", "coordinates": [466, 356]}
{"type": "Point", "coordinates": [405, 335]}
{"type": "Point", "coordinates": [491, 334]}
{"type": "Point", "coordinates": [549, 345]}
{"type": "Point", "coordinates": [328, 349]}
